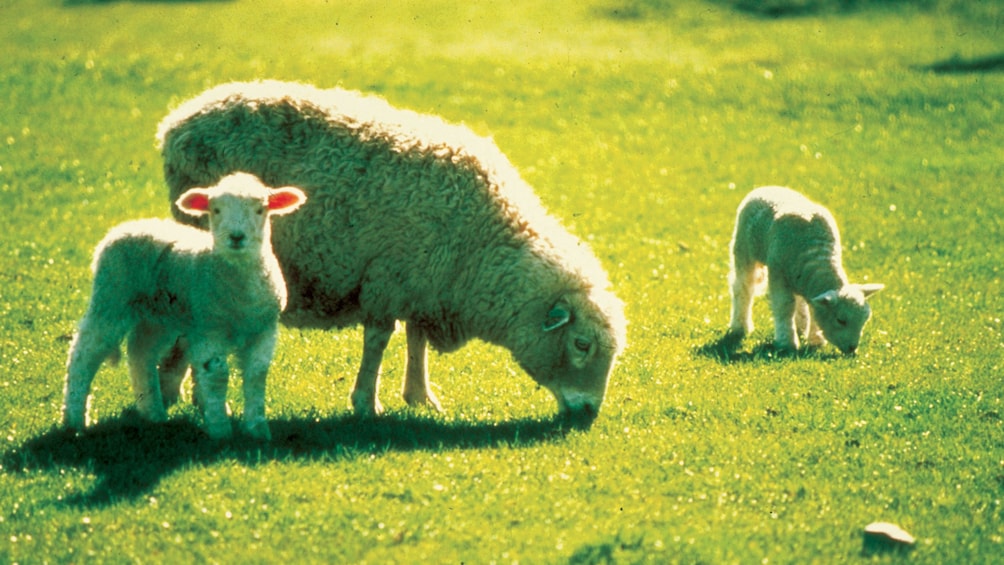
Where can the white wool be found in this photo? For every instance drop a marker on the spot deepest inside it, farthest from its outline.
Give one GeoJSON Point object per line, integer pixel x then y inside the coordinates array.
{"type": "Point", "coordinates": [797, 241]}
{"type": "Point", "coordinates": [409, 219]}
{"type": "Point", "coordinates": [158, 282]}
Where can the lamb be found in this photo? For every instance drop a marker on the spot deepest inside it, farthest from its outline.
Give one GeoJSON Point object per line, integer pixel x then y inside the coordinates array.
{"type": "Point", "coordinates": [410, 219]}
{"type": "Point", "coordinates": [158, 281]}
{"type": "Point", "coordinates": [798, 243]}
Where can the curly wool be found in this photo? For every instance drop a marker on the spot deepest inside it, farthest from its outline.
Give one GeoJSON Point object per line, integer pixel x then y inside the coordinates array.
{"type": "Point", "coordinates": [798, 243]}
{"type": "Point", "coordinates": [409, 218]}
{"type": "Point", "coordinates": [156, 281]}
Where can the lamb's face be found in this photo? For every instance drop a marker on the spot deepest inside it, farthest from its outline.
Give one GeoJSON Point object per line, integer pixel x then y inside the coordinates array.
{"type": "Point", "coordinates": [239, 224]}
{"type": "Point", "coordinates": [573, 353]}
{"type": "Point", "coordinates": [842, 314]}
{"type": "Point", "coordinates": [238, 208]}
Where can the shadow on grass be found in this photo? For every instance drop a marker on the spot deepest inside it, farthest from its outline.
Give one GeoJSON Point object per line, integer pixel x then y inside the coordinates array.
{"type": "Point", "coordinates": [958, 65]}
{"type": "Point", "coordinates": [74, 3]}
{"type": "Point", "coordinates": [727, 350]}
{"type": "Point", "coordinates": [130, 456]}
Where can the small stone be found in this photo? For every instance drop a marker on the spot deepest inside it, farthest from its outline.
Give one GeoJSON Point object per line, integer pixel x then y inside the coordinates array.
{"type": "Point", "coordinates": [884, 537]}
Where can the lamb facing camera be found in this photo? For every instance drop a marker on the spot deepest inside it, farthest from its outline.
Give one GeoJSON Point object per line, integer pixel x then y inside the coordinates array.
{"type": "Point", "coordinates": [221, 291]}
{"type": "Point", "coordinates": [796, 242]}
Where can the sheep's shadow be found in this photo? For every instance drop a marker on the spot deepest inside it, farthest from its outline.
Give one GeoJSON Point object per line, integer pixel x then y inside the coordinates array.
{"type": "Point", "coordinates": [728, 349]}
{"type": "Point", "coordinates": [130, 456]}
{"type": "Point", "coordinates": [74, 3]}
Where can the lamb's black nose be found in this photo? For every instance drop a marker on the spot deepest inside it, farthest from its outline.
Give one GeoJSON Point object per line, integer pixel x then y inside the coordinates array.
{"type": "Point", "coordinates": [237, 240]}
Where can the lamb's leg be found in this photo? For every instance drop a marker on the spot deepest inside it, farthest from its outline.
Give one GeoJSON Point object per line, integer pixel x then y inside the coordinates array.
{"type": "Point", "coordinates": [210, 373]}
{"type": "Point", "coordinates": [416, 390]}
{"type": "Point", "coordinates": [364, 393]}
{"type": "Point", "coordinates": [815, 333]}
{"type": "Point", "coordinates": [144, 348]}
{"type": "Point", "coordinates": [173, 368]}
{"type": "Point", "coordinates": [802, 318]}
{"type": "Point", "coordinates": [254, 362]}
{"type": "Point", "coordinates": [782, 304]}
{"type": "Point", "coordinates": [742, 281]}
{"type": "Point", "coordinates": [95, 341]}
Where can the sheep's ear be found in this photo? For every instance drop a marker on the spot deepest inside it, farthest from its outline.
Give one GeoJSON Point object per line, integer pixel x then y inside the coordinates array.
{"type": "Point", "coordinates": [285, 200]}
{"type": "Point", "coordinates": [195, 202]}
{"type": "Point", "coordinates": [557, 317]}
{"type": "Point", "coordinates": [825, 299]}
{"type": "Point", "coordinates": [871, 288]}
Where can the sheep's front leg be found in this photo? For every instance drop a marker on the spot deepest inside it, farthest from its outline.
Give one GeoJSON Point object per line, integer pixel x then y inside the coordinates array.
{"type": "Point", "coordinates": [254, 361]}
{"type": "Point", "coordinates": [144, 347]}
{"type": "Point", "coordinates": [742, 281]}
{"type": "Point", "coordinates": [210, 373]}
{"type": "Point", "coordinates": [782, 305]}
{"type": "Point", "coordinates": [416, 390]}
{"type": "Point", "coordinates": [802, 318]}
{"type": "Point", "coordinates": [364, 393]}
{"type": "Point", "coordinates": [813, 334]}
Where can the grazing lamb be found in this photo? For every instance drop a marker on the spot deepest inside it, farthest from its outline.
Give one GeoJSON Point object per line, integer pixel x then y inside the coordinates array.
{"type": "Point", "coordinates": [157, 281]}
{"type": "Point", "coordinates": [798, 243]}
{"type": "Point", "coordinates": [410, 219]}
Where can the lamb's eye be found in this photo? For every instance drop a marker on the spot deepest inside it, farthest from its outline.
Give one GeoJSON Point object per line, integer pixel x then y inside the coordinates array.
{"type": "Point", "coordinates": [216, 210]}
{"type": "Point", "coordinates": [582, 344]}
{"type": "Point", "coordinates": [261, 211]}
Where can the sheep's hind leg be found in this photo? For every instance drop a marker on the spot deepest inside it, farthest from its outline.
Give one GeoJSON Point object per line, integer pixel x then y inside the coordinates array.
{"type": "Point", "coordinates": [743, 284]}
{"type": "Point", "coordinates": [364, 394]}
{"type": "Point", "coordinates": [417, 391]}
{"type": "Point", "coordinates": [144, 348]}
{"type": "Point", "coordinates": [94, 342]}
{"type": "Point", "coordinates": [254, 362]}
{"type": "Point", "coordinates": [173, 368]}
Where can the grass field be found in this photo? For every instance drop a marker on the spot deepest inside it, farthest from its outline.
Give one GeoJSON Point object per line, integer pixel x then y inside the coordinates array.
{"type": "Point", "coordinates": [641, 124]}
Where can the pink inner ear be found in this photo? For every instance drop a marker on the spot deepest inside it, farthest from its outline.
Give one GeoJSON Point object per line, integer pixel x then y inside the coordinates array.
{"type": "Point", "coordinates": [282, 200]}
{"type": "Point", "coordinates": [196, 201]}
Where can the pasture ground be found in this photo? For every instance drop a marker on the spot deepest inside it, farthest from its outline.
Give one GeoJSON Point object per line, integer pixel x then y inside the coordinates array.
{"type": "Point", "coordinates": [641, 124]}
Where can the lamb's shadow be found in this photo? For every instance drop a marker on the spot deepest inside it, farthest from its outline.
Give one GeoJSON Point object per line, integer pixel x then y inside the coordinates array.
{"type": "Point", "coordinates": [130, 457]}
{"type": "Point", "coordinates": [727, 349]}
{"type": "Point", "coordinates": [959, 65]}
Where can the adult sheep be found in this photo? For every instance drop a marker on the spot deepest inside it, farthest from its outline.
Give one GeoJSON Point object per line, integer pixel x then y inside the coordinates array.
{"type": "Point", "coordinates": [412, 219]}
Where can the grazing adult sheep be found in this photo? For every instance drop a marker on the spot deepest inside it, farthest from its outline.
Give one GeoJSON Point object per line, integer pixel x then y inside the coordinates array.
{"type": "Point", "coordinates": [798, 243]}
{"type": "Point", "coordinates": [409, 219]}
{"type": "Point", "coordinates": [157, 281]}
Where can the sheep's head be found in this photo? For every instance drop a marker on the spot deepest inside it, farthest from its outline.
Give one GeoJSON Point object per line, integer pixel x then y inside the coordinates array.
{"type": "Point", "coordinates": [239, 207]}
{"type": "Point", "coordinates": [572, 347]}
{"type": "Point", "coordinates": [842, 314]}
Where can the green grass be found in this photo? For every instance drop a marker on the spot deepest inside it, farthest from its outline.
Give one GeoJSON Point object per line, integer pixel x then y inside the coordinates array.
{"type": "Point", "coordinates": [641, 125]}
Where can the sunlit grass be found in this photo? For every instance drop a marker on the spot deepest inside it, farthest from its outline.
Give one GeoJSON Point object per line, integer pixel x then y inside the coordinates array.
{"type": "Point", "coordinates": [641, 125]}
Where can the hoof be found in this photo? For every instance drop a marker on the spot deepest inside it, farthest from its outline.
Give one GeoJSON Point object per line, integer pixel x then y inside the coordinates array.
{"type": "Point", "coordinates": [157, 415]}
{"type": "Point", "coordinates": [424, 400]}
{"type": "Point", "coordinates": [258, 430]}
{"type": "Point", "coordinates": [365, 406]}
{"type": "Point", "coordinates": [74, 422]}
{"type": "Point", "coordinates": [219, 431]}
